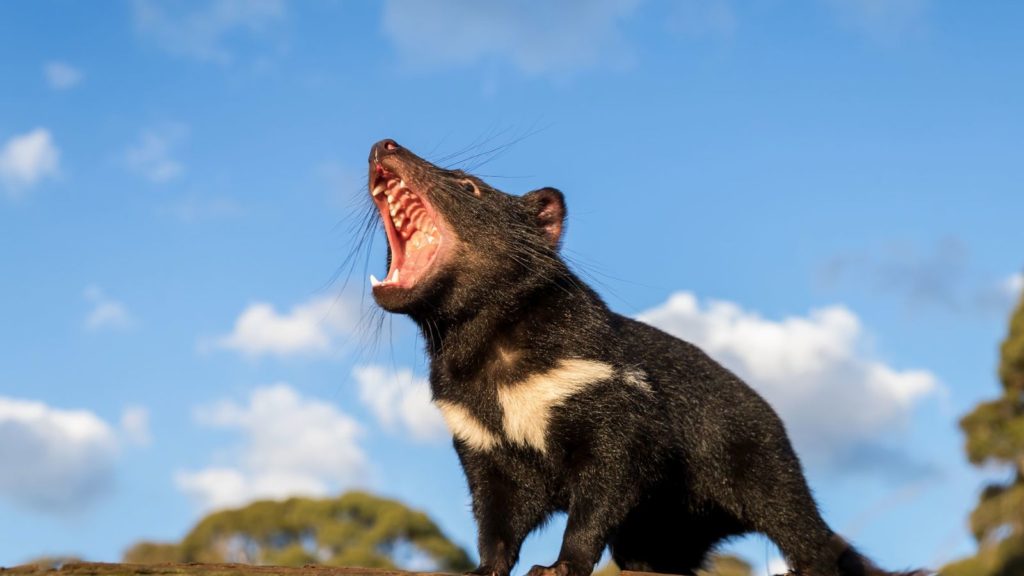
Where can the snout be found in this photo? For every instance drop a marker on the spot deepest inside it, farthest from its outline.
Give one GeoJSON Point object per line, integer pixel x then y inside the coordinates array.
{"type": "Point", "coordinates": [383, 149]}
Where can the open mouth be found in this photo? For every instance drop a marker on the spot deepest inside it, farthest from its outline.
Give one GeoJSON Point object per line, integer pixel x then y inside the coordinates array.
{"type": "Point", "coordinates": [411, 225]}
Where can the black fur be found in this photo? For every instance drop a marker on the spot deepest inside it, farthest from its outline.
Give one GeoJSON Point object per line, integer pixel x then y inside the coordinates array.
{"type": "Point", "coordinates": [659, 472]}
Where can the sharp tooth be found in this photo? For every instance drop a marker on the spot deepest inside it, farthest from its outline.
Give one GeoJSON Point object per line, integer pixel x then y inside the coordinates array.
{"type": "Point", "coordinates": [398, 221]}
{"type": "Point", "coordinates": [393, 209]}
{"type": "Point", "coordinates": [378, 191]}
{"type": "Point", "coordinates": [373, 280]}
{"type": "Point", "coordinates": [394, 277]}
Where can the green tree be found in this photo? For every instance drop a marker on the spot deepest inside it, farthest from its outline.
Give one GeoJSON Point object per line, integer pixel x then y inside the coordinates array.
{"type": "Point", "coordinates": [995, 434]}
{"type": "Point", "coordinates": [357, 529]}
{"type": "Point", "coordinates": [52, 562]}
{"type": "Point", "coordinates": [153, 553]}
{"type": "Point", "coordinates": [727, 565]}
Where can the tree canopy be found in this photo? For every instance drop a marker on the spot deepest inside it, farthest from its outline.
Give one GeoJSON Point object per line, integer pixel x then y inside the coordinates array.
{"type": "Point", "coordinates": [995, 434]}
{"type": "Point", "coordinates": [356, 529]}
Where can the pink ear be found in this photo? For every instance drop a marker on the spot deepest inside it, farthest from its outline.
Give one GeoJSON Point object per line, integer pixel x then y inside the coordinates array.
{"type": "Point", "coordinates": [548, 206]}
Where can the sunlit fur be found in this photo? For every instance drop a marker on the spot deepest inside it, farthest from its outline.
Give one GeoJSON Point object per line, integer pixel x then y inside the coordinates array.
{"type": "Point", "coordinates": [527, 406]}
{"type": "Point", "coordinates": [465, 428]}
{"type": "Point", "coordinates": [556, 403]}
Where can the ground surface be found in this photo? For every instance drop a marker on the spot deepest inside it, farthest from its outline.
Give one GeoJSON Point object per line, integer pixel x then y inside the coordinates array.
{"type": "Point", "coordinates": [90, 569]}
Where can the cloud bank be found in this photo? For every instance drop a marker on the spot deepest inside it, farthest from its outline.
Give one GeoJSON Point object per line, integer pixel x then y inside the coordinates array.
{"type": "Point", "coordinates": [54, 460]}
{"type": "Point", "coordinates": [838, 402]}
{"type": "Point", "coordinates": [290, 445]}
{"type": "Point", "coordinates": [400, 400]}
{"type": "Point", "coordinates": [313, 328]}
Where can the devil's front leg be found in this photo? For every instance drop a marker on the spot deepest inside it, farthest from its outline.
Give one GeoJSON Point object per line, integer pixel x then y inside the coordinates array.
{"type": "Point", "coordinates": [509, 501]}
{"type": "Point", "coordinates": [602, 493]}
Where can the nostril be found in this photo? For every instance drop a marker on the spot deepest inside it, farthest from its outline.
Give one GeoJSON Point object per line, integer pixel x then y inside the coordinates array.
{"type": "Point", "coordinates": [383, 148]}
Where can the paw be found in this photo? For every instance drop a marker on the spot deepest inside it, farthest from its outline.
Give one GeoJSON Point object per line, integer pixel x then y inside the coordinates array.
{"type": "Point", "coordinates": [560, 568]}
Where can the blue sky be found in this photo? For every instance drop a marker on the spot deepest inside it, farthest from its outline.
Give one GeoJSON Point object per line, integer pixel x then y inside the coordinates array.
{"type": "Point", "coordinates": [824, 194]}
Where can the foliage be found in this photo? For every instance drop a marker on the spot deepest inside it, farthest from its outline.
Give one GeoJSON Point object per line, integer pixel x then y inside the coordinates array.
{"type": "Point", "coordinates": [995, 434]}
{"type": "Point", "coordinates": [52, 562]}
{"type": "Point", "coordinates": [726, 565]}
{"type": "Point", "coordinates": [357, 529]}
{"type": "Point", "coordinates": [153, 553]}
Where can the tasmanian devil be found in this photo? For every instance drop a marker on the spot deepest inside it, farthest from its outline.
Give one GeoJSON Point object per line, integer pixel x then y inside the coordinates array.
{"type": "Point", "coordinates": [556, 403]}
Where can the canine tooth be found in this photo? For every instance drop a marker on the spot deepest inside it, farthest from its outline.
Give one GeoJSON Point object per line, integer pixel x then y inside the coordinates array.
{"type": "Point", "coordinates": [395, 276]}
{"type": "Point", "coordinates": [374, 281]}
{"type": "Point", "coordinates": [378, 191]}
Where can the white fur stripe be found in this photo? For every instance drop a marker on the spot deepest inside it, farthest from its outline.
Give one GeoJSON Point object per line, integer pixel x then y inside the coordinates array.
{"type": "Point", "coordinates": [527, 405]}
{"type": "Point", "coordinates": [465, 427]}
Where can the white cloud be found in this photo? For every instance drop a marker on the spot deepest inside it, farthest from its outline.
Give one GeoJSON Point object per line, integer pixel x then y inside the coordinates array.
{"type": "Point", "coordinates": [61, 75]}
{"type": "Point", "coordinates": [1013, 286]}
{"type": "Point", "coordinates": [837, 400]}
{"type": "Point", "coordinates": [205, 32]}
{"type": "Point", "coordinates": [135, 426]}
{"type": "Point", "coordinates": [153, 155]}
{"type": "Point", "coordinates": [26, 159]}
{"type": "Point", "coordinates": [400, 399]}
{"type": "Point", "coordinates": [291, 445]}
{"type": "Point", "coordinates": [537, 37]}
{"type": "Point", "coordinates": [53, 460]}
{"type": "Point", "coordinates": [311, 328]}
{"type": "Point", "coordinates": [106, 313]}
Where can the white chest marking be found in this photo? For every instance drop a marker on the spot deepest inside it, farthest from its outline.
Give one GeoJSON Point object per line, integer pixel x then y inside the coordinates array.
{"type": "Point", "coordinates": [527, 405]}
{"type": "Point", "coordinates": [467, 428]}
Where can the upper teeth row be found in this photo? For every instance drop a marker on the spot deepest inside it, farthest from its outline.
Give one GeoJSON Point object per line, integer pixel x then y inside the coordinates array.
{"type": "Point", "coordinates": [383, 188]}
{"type": "Point", "coordinates": [395, 190]}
